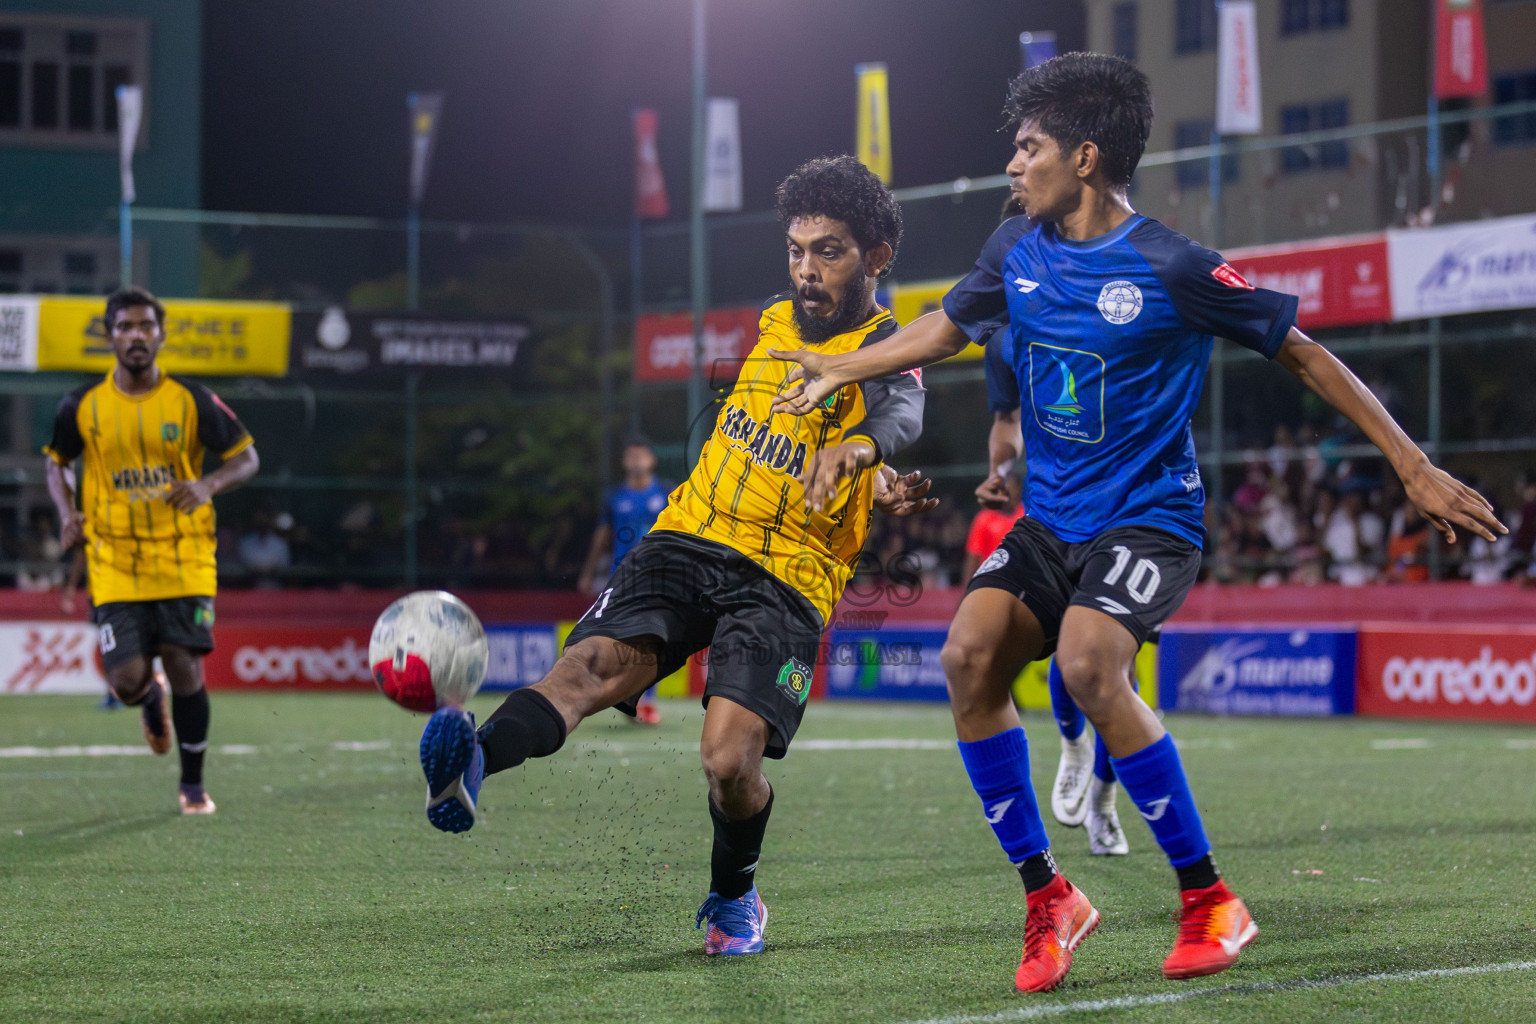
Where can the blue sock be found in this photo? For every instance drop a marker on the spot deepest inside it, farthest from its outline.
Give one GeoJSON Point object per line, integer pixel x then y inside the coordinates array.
{"type": "Point", "coordinates": [999, 771]}
{"type": "Point", "coordinates": [1154, 780]}
{"type": "Point", "coordinates": [1101, 766]}
{"type": "Point", "coordinates": [1069, 717]}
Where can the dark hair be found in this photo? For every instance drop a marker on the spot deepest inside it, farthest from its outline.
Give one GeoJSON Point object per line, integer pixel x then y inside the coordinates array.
{"type": "Point", "coordinates": [1087, 97]}
{"type": "Point", "coordinates": [843, 189]}
{"type": "Point", "coordinates": [639, 441]}
{"type": "Point", "coordinates": [123, 298]}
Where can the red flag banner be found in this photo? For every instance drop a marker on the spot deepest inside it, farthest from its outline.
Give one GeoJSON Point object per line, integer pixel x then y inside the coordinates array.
{"type": "Point", "coordinates": [650, 186]}
{"type": "Point", "coordinates": [1461, 56]}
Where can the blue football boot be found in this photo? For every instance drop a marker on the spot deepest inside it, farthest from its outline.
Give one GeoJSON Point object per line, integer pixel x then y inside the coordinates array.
{"type": "Point", "coordinates": [735, 926]}
{"type": "Point", "coordinates": [454, 766]}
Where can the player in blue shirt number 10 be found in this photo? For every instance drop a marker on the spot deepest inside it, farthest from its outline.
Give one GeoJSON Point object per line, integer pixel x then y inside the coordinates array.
{"type": "Point", "coordinates": [1112, 317]}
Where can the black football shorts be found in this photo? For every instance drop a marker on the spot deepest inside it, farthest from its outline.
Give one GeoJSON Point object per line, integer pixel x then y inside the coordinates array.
{"type": "Point", "coordinates": [128, 629]}
{"type": "Point", "coordinates": [1139, 575]}
{"type": "Point", "coordinates": [763, 636]}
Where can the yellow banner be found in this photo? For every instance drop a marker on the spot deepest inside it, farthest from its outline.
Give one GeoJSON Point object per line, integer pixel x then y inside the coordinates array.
{"type": "Point", "coordinates": [1032, 691]}
{"type": "Point", "coordinates": [910, 301]}
{"type": "Point", "coordinates": [874, 121]}
{"type": "Point", "coordinates": [202, 336]}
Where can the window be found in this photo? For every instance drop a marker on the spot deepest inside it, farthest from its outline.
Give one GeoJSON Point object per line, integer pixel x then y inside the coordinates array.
{"type": "Point", "coordinates": [1197, 173]}
{"type": "Point", "coordinates": [1314, 117]}
{"type": "Point", "coordinates": [79, 266]}
{"type": "Point", "coordinates": [1298, 16]}
{"type": "Point", "coordinates": [1194, 26]}
{"type": "Point", "coordinates": [59, 76]}
{"type": "Point", "coordinates": [1520, 129]}
{"type": "Point", "coordinates": [1125, 31]}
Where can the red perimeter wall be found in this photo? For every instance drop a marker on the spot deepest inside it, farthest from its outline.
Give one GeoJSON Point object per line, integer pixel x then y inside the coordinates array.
{"type": "Point", "coordinates": [1440, 603]}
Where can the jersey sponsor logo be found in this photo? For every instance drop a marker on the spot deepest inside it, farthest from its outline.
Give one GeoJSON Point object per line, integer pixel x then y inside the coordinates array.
{"type": "Point", "coordinates": [775, 451]}
{"type": "Point", "coordinates": [1231, 278]}
{"type": "Point", "coordinates": [1024, 285]}
{"type": "Point", "coordinates": [995, 561]}
{"type": "Point", "coordinates": [1120, 302]}
{"type": "Point", "coordinates": [795, 680]}
{"type": "Point", "coordinates": [136, 480]}
{"type": "Point", "coordinates": [1067, 391]}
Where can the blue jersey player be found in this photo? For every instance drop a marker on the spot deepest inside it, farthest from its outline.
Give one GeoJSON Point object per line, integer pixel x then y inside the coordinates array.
{"type": "Point", "coordinates": [1084, 791]}
{"type": "Point", "coordinates": [1112, 317]}
{"type": "Point", "coordinates": [629, 512]}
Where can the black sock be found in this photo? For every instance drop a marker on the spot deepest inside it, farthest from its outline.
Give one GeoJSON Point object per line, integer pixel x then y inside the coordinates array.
{"type": "Point", "coordinates": [733, 861]}
{"type": "Point", "coordinates": [1038, 871]}
{"type": "Point", "coordinates": [190, 716]}
{"type": "Point", "coordinates": [1199, 875]}
{"type": "Point", "coordinates": [526, 725]}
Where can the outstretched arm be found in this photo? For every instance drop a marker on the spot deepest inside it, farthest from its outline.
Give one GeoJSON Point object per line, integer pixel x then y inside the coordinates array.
{"type": "Point", "coordinates": [1445, 501]}
{"type": "Point", "coordinates": [926, 340]}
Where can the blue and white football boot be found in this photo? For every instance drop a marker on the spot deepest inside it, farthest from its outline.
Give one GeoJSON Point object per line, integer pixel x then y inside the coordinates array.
{"type": "Point", "coordinates": [735, 926]}
{"type": "Point", "coordinates": [454, 766]}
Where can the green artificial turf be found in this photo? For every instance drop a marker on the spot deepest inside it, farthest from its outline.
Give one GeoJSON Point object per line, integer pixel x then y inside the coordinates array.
{"type": "Point", "coordinates": [318, 892]}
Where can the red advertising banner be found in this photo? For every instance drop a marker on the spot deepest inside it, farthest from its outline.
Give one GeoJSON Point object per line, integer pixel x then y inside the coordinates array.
{"type": "Point", "coordinates": [1339, 282]}
{"type": "Point", "coordinates": [664, 341]}
{"type": "Point", "coordinates": [1461, 55]}
{"type": "Point", "coordinates": [289, 658]}
{"type": "Point", "coordinates": [1467, 672]}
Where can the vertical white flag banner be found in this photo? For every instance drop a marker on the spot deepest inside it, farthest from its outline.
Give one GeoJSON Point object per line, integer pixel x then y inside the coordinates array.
{"type": "Point", "coordinates": [130, 111]}
{"type": "Point", "coordinates": [722, 156]}
{"type": "Point", "coordinates": [1238, 107]}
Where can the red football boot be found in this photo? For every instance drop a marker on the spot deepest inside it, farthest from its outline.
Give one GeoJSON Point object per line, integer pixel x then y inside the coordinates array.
{"type": "Point", "coordinates": [1214, 928]}
{"type": "Point", "coordinates": [1060, 917]}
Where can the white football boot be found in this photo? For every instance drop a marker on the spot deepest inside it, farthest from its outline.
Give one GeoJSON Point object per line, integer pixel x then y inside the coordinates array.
{"type": "Point", "coordinates": [1105, 836]}
{"type": "Point", "coordinates": [1069, 794]}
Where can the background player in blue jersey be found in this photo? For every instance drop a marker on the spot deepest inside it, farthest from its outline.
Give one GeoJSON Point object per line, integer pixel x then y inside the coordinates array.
{"type": "Point", "coordinates": [1112, 316]}
{"type": "Point", "coordinates": [1084, 791]}
{"type": "Point", "coordinates": [629, 511]}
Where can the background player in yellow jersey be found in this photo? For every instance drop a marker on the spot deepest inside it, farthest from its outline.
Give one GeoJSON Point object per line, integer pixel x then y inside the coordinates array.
{"type": "Point", "coordinates": [146, 522]}
{"type": "Point", "coordinates": [737, 561]}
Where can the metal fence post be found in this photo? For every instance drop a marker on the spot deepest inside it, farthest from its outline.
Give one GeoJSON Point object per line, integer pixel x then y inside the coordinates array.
{"type": "Point", "coordinates": [1436, 552]}
{"type": "Point", "coordinates": [412, 412]}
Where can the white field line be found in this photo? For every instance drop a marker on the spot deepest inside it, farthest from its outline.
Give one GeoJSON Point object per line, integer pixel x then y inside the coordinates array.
{"type": "Point", "coordinates": [1256, 988]}
{"type": "Point", "coordinates": [1411, 743]}
{"type": "Point", "coordinates": [682, 748]}
{"type": "Point", "coordinates": [360, 745]}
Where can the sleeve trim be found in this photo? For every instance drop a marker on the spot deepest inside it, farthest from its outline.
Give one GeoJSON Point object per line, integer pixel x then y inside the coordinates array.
{"type": "Point", "coordinates": [236, 448]}
{"type": "Point", "coordinates": [48, 450]}
{"type": "Point", "coordinates": [873, 443]}
{"type": "Point", "coordinates": [1282, 326]}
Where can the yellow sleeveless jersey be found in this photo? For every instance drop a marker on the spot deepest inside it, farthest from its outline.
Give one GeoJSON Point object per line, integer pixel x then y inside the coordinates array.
{"type": "Point", "coordinates": [745, 491]}
{"type": "Point", "coordinates": [132, 448]}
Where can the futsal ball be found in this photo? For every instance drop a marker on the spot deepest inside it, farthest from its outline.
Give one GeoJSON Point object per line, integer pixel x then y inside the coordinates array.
{"type": "Point", "coordinates": [428, 650]}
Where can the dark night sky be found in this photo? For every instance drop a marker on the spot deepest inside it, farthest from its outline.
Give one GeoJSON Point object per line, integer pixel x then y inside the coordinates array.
{"type": "Point", "coordinates": [304, 100]}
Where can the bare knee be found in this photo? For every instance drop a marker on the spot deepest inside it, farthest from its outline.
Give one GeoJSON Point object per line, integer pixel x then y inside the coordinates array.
{"type": "Point", "coordinates": [1092, 674]}
{"type": "Point", "coordinates": [728, 765]}
{"type": "Point", "coordinates": [970, 668]}
{"type": "Point", "coordinates": [183, 670]}
{"type": "Point", "coordinates": [130, 680]}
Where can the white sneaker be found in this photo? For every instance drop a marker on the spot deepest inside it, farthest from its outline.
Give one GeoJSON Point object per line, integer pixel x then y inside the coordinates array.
{"type": "Point", "coordinates": [1069, 794]}
{"type": "Point", "coordinates": [1105, 836]}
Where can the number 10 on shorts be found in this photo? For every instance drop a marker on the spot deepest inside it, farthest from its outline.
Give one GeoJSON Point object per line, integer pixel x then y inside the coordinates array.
{"type": "Point", "coordinates": [1144, 579]}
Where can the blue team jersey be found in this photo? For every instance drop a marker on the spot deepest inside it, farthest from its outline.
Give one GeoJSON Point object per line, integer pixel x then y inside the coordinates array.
{"type": "Point", "coordinates": [630, 513]}
{"type": "Point", "coordinates": [1111, 338]}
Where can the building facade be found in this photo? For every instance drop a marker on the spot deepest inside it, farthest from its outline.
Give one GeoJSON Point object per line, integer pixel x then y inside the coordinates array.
{"type": "Point", "coordinates": [60, 62]}
{"type": "Point", "coordinates": [1324, 64]}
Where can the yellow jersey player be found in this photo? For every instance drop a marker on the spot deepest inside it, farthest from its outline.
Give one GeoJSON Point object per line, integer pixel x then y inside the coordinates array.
{"type": "Point", "coordinates": [738, 561]}
{"type": "Point", "coordinates": [145, 520]}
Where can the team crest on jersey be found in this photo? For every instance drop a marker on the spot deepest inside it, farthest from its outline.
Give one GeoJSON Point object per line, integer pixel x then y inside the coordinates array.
{"type": "Point", "coordinates": [170, 432]}
{"type": "Point", "coordinates": [1120, 302]}
{"type": "Point", "coordinates": [995, 561]}
{"type": "Point", "coordinates": [1231, 278]}
{"type": "Point", "coordinates": [795, 679]}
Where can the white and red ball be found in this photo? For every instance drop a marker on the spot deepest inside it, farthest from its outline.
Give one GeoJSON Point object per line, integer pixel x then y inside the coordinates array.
{"type": "Point", "coordinates": [428, 650]}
